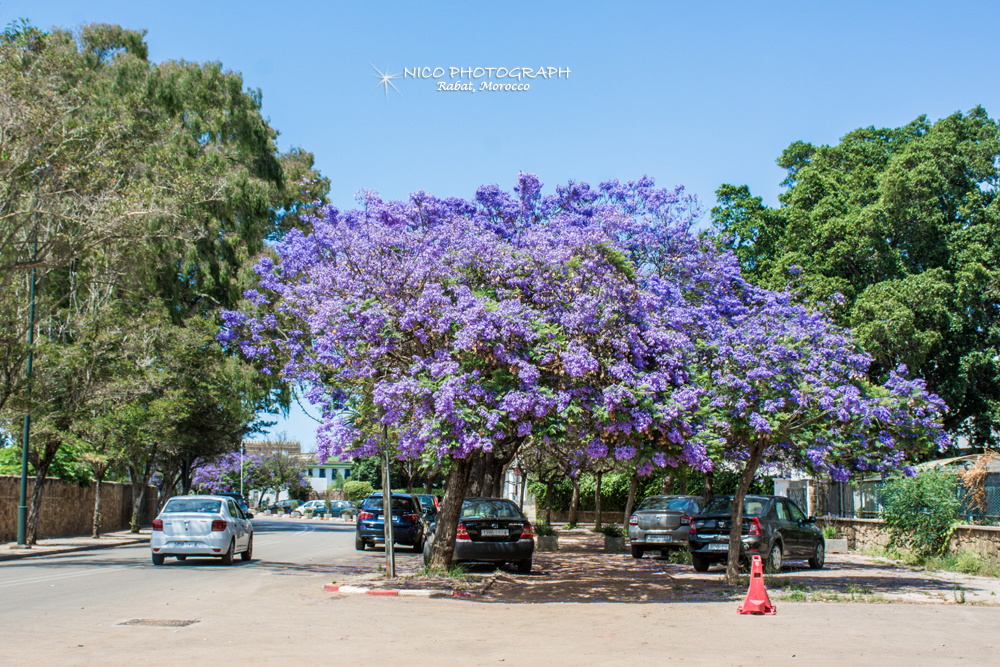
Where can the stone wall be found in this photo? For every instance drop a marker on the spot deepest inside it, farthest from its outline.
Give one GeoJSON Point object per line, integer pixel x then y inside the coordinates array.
{"type": "Point", "coordinates": [864, 534]}
{"type": "Point", "coordinates": [581, 517]}
{"type": "Point", "coordinates": [68, 509]}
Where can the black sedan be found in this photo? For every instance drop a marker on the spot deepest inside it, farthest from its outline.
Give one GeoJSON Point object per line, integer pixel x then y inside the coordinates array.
{"type": "Point", "coordinates": [774, 528]}
{"type": "Point", "coordinates": [491, 530]}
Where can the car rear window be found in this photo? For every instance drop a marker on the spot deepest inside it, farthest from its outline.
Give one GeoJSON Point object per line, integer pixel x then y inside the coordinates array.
{"type": "Point", "coordinates": [490, 509]}
{"type": "Point", "coordinates": [724, 505]}
{"type": "Point", "coordinates": [686, 505]}
{"type": "Point", "coordinates": [175, 505]}
{"type": "Point", "coordinates": [404, 504]}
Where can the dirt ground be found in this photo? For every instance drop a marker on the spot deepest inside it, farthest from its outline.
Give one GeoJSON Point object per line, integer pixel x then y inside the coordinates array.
{"type": "Point", "coordinates": [581, 572]}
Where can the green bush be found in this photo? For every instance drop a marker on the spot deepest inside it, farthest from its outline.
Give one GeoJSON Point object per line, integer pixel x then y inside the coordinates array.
{"type": "Point", "coordinates": [611, 530]}
{"type": "Point", "coordinates": [920, 511]}
{"type": "Point", "coordinates": [543, 529]}
{"type": "Point", "coordinates": [357, 491]}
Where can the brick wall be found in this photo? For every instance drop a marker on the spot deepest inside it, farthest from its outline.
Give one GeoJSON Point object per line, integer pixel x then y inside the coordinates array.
{"type": "Point", "coordinates": [68, 509]}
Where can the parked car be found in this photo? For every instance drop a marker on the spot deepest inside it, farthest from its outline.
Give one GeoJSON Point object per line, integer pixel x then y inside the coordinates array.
{"type": "Point", "coordinates": [313, 505]}
{"type": "Point", "coordinates": [284, 505]}
{"type": "Point", "coordinates": [202, 526]}
{"type": "Point", "coordinates": [407, 522]}
{"type": "Point", "coordinates": [428, 505]}
{"type": "Point", "coordinates": [774, 528]}
{"type": "Point", "coordinates": [491, 530]}
{"type": "Point", "coordinates": [661, 523]}
{"type": "Point", "coordinates": [337, 507]}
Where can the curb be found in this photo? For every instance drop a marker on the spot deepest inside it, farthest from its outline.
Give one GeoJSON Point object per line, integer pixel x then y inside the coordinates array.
{"type": "Point", "coordinates": [361, 590]}
{"type": "Point", "coordinates": [66, 550]}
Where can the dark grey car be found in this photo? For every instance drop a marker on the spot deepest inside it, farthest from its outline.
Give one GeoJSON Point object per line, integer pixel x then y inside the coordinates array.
{"type": "Point", "coordinates": [774, 528]}
{"type": "Point", "coordinates": [660, 523]}
{"type": "Point", "coordinates": [490, 530]}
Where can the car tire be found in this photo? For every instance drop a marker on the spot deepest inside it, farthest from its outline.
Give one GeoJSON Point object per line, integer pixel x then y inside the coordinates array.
{"type": "Point", "coordinates": [637, 552]}
{"type": "Point", "coordinates": [418, 546]}
{"type": "Point", "coordinates": [248, 554]}
{"type": "Point", "coordinates": [700, 563]}
{"type": "Point", "coordinates": [158, 559]}
{"type": "Point", "coordinates": [427, 553]}
{"type": "Point", "coordinates": [359, 543]}
{"type": "Point", "coordinates": [774, 558]}
{"type": "Point", "coordinates": [818, 557]}
{"type": "Point", "coordinates": [524, 566]}
{"type": "Point", "coordinates": [182, 558]}
{"type": "Point", "coordinates": [227, 558]}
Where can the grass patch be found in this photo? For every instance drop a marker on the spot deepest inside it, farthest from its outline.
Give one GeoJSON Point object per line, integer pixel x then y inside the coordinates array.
{"type": "Point", "coordinates": [454, 572]}
{"type": "Point", "coordinates": [795, 596]}
{"type": "Point", "coordinates": [963, 562]}
{"type": "Point", "coordinates": [677, 556]}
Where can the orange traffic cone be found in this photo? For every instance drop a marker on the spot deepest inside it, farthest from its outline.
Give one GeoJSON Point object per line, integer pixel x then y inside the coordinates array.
{"type": "Point", "coordinates": [756, 601]}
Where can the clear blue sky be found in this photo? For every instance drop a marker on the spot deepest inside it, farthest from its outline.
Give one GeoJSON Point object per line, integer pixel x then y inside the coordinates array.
{"type": "Point", "coordinates": [698, 94]}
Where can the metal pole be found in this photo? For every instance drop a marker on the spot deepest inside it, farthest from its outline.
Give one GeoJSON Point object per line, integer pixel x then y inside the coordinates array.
{"type": "Point", "coordinates": [390, 554]}
{"type": "Point", "coordinates": [22, 508]}
{"type": "Point", "coordinates": [241, 469]}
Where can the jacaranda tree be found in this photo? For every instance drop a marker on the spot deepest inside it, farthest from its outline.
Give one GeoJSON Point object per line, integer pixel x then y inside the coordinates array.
{"type": "Point", "coordinates": [461, 328]}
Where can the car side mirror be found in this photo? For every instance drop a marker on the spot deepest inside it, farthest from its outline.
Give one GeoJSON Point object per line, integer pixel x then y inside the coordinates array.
{"type": "Point", "coordinates": [249, 515]}
{"type": "Point", "coordinates": [811, 519]}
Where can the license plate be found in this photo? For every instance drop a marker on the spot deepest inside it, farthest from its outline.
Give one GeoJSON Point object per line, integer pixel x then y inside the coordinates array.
{"type": "Point", "coordinates": [494, 532]}
{"type": "Point", "coordinates": [185, 544]}
{"type": "Point", "coordinates": [659, 538]}
{"type": "Point", "coordinates": [718, 547]}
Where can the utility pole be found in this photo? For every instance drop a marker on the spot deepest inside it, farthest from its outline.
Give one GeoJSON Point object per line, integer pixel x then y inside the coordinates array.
{"type": "Point", "coordinates": [22, 508]}
{"type": "Point", "coordinates": [390, 554]}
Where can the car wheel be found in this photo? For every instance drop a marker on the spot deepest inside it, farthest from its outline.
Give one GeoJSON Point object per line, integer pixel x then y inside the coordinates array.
{"type": "Point", "coordinates": [774, 558]}
{"type": "Point", "coordinates": [157, 559]}
{"type": "Point", "coordinates": [359, 543]}
{"type": "Point", "coordinates": [182, 558]}
{"type": "Point", "coordinates": [418, 546]}
{"type": "Point", "coordinates": [248, 554]}
{"type": "Point", "coordinates": [524, 566]}
{"type": "Point", "coordinates": [818, 557]}
{"type": "Point", "coordinates": [700, 563]}
{"type": "Point", "coordinates": [637, 551]}
{"type": "Point", "coordinates": [227, 558]}
{"type": "Point", "coordinates": [427, 553]}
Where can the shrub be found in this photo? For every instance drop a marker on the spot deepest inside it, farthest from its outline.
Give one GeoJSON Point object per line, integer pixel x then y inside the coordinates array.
{"type": "Point", "coordinates": [357, 491]}
{"type": "Point", "coordinates": [611, 530]}
{"type": "Point", "coordinates": [543, 529]}
{"type": "Point", "coordinates": [920, 511]}
{"type": "Point", "coordinates": [829, 531]}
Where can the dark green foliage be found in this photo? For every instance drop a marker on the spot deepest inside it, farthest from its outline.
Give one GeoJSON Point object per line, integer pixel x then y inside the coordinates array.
{"type": "Point", "coordinates": [920, 511]}
{"type": "Point", "coordinates": [543, 529]}
{"type": "Point", "coordinates": [299, 491]}
{"type": "Point", "coordinates": [357, 490]}
{"type": "Point", "coordinates": [904, 223]}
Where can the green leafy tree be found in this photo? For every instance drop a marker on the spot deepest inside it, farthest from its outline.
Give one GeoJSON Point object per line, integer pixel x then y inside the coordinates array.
{"type": "Point", "coordinates": [920, 511]}
{"type": "Point", "coordinates": [904, 223]}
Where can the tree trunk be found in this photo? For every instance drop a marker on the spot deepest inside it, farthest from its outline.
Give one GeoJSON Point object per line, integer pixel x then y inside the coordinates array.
{"type": "Point", "coordinates": [736, 527]}
{"type": "Point", "coordinates": [140, 480]}
{"type": "Point", "coordinates": [632, 488]}
{"type": "Point", "coordinates": [597, 502]}
{"type": "Point", "coordinates": [477, 475]}
{"type": "Point", "coordinates": [574, 503]}
{"type": "Point", "coordinates": [682, 480]}
{"type": "Point", "coordinates": [99, 472]}
{"type": "Point", "coordinates": [410, 475]}
{"type": "Point", "coordinates": [667, 484]}
{"type": "Point", "coordinates": [430, 482]}
{"type": "Point", "coordinates": [455, 486]}
{"type": "Point", "coordinates": [524, 485]}
{"type": "Point", "coordinates": [41, 470]}
{"type": "Point", "coordinates": [708, 492]}
{"type": "Point", "coordinates": [548, 502]}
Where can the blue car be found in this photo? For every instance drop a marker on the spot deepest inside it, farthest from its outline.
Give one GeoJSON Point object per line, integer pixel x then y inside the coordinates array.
{"type": "Point", "coordinates": [407, 522]}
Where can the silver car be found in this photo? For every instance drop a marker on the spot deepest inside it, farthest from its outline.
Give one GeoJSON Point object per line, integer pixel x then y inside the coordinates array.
{"type": "Point", "coordinates": [661, 523]}
{"type": "Point", "coordinates": [202, 526]}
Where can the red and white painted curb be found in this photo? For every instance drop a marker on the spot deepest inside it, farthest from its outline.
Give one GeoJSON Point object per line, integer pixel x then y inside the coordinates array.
{"type": "Point", "coordinates": [361, 590]}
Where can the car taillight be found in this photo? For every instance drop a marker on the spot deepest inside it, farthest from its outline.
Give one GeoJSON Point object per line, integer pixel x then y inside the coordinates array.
{"type": "Point", "coordinates": [365, 516]}
{"type": "Point", "coordinates": [633, 520]}
{"type": "Point", "coordinates": [157, 524]}
{"type": "Point", "coordinates": [462, 534]}
{"type": "Point", "coordinates": [755, 528]}
{"type": "Point", "coordinates": [412, 518]}
{"type": "Point", "coordinates": [692, 530]}
{"type": "Point", "coordinates": [218, 526]}
{"type": "Point", "coordinates": [526, 532]}
{"type": "Point", "coordinates": [685, 520]}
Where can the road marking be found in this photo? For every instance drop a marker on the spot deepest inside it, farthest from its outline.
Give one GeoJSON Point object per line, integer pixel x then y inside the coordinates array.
{"type": "Point", "coordinates": [56, 577]}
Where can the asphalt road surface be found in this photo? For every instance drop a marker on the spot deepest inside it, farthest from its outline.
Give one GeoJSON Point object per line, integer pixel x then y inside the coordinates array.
{"type": "Point", "coordinates": [69, 610]}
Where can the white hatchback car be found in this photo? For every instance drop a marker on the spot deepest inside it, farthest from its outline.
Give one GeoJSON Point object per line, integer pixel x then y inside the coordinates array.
{"type": "Point", "coordinates": [202, 526]}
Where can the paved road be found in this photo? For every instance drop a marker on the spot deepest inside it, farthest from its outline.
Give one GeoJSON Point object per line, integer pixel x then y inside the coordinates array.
{"type": "Point", "coordinates": [68, 610]}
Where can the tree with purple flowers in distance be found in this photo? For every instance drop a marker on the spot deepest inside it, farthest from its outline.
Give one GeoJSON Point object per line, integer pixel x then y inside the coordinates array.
{"type": "Point", "coordinates": [465, 327]}
{"type": "Point", "coordinates": [262, 473]}
{"type": "Point", "coordinates": [787, 388]}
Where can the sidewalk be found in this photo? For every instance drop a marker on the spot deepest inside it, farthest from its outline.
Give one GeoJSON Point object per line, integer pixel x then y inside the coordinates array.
{"type": "Point", "coordinates": [61, 545]}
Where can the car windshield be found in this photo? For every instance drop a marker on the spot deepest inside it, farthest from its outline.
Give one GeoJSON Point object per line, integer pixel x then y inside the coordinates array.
{"type": "Point", "coordinates": [404, 504]}
{"type": "Point", "coordinates": [659, 503]}
{"type": "Point", "coordinates": [192, 505]}
{"type": "Point", "coordinates": [490, 509]}
{"type": "Point", "coordinates": [427, 502]}
{"type": "Point", "coordinates": [724, 505]}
